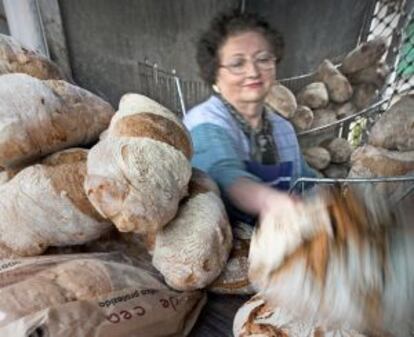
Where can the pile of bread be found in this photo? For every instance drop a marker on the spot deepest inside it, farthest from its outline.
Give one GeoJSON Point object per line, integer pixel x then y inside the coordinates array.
{"type": "Point", "coordinates": [390, 148]}
{"type": "Point", "coordinates": [74, 170]}
{"type": "Point", "coordinates": [335, 93]}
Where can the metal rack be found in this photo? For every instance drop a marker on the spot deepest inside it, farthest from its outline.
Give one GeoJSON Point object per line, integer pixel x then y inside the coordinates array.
{"type": "Point", "coordinates": [390, 19]}
{"type": "Point", "coordinates": [162, 85]}
{"type": "Point", "coordinates": [393, 199]}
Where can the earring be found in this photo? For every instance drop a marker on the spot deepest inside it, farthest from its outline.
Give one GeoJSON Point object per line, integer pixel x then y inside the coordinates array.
{"type": "Point", "coordinates": [215, 88]}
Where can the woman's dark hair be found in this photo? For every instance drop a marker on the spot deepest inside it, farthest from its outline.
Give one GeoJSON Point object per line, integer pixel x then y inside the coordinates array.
{"type": "Point", "coordinates": [229, 24]}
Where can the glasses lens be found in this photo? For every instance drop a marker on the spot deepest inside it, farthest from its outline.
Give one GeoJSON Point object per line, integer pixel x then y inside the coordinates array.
{"type": "Point", "coordinates": [238, 67]}
{"type": "Point", "coordinates": [263, 62]}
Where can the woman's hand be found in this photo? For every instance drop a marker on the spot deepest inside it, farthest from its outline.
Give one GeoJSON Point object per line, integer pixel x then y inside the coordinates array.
{"type": "Point", "coordinates": [285, 223]}
{"type": "Point", "coordinates": [291, 218]}
{"type": "Point", "coordinates": [256, 198]}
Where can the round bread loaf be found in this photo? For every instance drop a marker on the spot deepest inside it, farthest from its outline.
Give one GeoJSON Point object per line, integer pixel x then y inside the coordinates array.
{"type": "Point", "coordinates": [139, 172]}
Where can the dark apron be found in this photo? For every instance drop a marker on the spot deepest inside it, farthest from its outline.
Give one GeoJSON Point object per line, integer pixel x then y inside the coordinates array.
{"type": "Point", "coordinates": [276, 175]}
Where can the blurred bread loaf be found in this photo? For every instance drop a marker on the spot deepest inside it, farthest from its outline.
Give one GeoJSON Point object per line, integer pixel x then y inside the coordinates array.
{"type": "Point", "coordinates": [342, 258]}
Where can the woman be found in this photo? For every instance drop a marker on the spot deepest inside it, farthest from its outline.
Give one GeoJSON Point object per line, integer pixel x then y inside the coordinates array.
{"type": "Point", "coordinates": [238, 140]}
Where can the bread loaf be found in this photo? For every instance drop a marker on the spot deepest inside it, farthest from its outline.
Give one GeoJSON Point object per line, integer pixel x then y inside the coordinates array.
{"type": "Point", "coordinates": [343, 258]}
{"type": "Point", "coordinates": [336, 171]}
{"type": "Point", "coordinates": [16, 59]}
{"type": "Point", "coordinates": [282, 100]}
{"type": "Point", "coordinates": [364, 95]}
{"type": "Point", "coordinates": [395, 128]}
{"type": "Point", "coordinates": [365, 55]}
{"type": "Point", "coordinates": [6, 175]}
{"type": "Point", "coordinates": [375, 74]}
{"type": "Point", "coordinates": [234, 277]}
{"type": "Point", "coordinates": [344, 110]}
{"type": "Point", "coordinates": [41, 117]}
{"type": "Point", "coordinates": [139, 172]}
{"type": "Point", "coordinates": [369, 162]}
{"type": "Point", "coordinates": [317, 157]}
{"type": "Point", "coordinates": [339, 88]}
{"type": "Point", "coordinates": [45, 205]}
{"type": "Point", "coordinates": [191, 251]}
{"type": "Point", "coordinates": [314, 95]}
{"type": "Point", "coordinates": [339, 149]}
{"type": "Point", "coordinates": [321, 118]}
{"type": "Point", "coordinates": [303, 118]}
{"type": "Point", "coordinates": [257, 318]}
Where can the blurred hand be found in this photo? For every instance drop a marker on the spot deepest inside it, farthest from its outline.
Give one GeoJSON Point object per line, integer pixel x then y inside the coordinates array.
{"type": "Point", "coordinates": [285, 222]}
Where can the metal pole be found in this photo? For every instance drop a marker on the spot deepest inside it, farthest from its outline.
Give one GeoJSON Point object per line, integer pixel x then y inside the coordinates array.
{"type": "Point", "coordinates": [180, 92]}
{"type": "Point", "coordinates": [242, 6]}
{"type": "Point", "coordinates": [352, 180]}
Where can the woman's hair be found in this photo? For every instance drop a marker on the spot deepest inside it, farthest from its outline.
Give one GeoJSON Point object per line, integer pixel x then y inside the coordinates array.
{"type": "Point", "coordinates": [221, 28]}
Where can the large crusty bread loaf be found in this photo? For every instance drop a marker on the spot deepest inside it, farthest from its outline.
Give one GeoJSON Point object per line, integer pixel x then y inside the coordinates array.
{"type": "Point", "coordinates": [16, 59]}
{"type": "Point", "coordinates": [45, 205]}
{"type": "Point", "coordinates": [342, 258]}
{"type": "Point", "coordinates": [191, 251]}
{"type": "Point", "coordinates": [365, 55]}
{"type": "Point", "coordinates": [41, 117]}
{"type": "Point", "coordinates": [139, 172]}
{"type": "Point", "coordinates": [395, 128]}
{"type": "Point", "coordinates": [369, 162]}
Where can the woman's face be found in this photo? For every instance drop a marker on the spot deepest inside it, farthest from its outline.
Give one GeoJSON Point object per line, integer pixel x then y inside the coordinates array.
{"type": "Point", "coordinates": [247, 68]}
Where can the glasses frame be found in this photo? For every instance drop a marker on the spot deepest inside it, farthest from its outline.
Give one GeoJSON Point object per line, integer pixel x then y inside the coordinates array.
{"type": "Point", "coordinates": [255, 64]}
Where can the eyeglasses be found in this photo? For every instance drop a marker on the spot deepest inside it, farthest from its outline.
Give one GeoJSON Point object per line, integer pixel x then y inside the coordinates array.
{"type": "Point", "coordinates": [239, 66]}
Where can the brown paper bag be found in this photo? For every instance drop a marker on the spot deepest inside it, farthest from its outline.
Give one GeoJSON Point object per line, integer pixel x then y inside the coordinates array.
{"type": "Point", "coordinates": [91, 295]}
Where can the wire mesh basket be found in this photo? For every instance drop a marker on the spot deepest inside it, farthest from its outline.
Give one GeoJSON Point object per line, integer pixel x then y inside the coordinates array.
{"type": "Point", "coordinates": [390, 19]}
{"type": "Point", "coordinates": [405, 181]}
